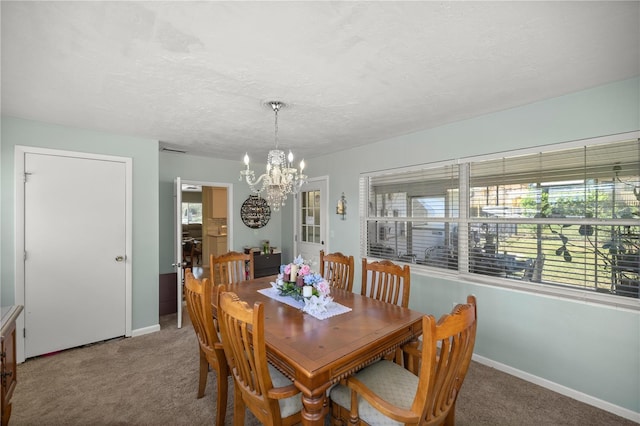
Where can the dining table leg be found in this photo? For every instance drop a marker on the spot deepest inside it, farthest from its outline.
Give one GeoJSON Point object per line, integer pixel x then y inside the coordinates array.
{"type": "Point", "coordinates": [313, 409]}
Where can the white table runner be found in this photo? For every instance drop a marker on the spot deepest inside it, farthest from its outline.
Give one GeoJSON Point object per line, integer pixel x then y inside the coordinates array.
{"type": "Point", "coordinates": [333, 308]}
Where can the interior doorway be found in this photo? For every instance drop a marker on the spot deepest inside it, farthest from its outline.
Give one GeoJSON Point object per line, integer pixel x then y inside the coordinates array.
{"type": "Point", "coordinates": [203, 227]}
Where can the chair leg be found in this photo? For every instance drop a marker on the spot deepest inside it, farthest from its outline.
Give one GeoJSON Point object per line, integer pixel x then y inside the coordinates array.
{"type": "Point", "coordinates": [336, 417]}
{"type": "Point", "coordinates": [354, 415]}
{"type": "Point", "coordinates": [238, 406]}
{"type": "Point", "coordinates": [399, 357]}
{"type": "Point", "coordinates": [204, 371]}
{"type": "Point", "coordinates": [223, 387]}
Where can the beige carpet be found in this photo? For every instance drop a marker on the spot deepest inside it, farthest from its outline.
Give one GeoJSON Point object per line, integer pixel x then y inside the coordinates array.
{"type": "Point", "coordinates": [152, 380]}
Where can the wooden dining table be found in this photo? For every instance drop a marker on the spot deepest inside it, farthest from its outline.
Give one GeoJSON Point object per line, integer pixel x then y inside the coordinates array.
{"type": "Point", "coordinates": [315, 353]}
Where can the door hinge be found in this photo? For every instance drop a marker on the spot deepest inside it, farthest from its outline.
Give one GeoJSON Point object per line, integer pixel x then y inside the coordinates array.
{"type": "Point", "coordinates": [24, 333]}
{"type": "Point", "coordinates": [25, 176]}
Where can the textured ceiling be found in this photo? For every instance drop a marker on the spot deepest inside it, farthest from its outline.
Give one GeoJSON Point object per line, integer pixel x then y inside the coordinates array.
{"type": "Point", "coordinates": [195, 75]}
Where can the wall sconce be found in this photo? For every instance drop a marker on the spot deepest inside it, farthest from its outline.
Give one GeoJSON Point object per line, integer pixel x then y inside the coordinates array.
{"type": "Point", "coordinates": [341, 207]}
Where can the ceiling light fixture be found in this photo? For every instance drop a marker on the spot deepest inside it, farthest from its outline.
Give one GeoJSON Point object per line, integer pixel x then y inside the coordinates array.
{"type": "Point", "coordinates": [280, 179]}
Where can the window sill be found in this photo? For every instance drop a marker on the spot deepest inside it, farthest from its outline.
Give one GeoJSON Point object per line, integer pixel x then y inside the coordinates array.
{"type": "Point", "coordinates": [618, 302]}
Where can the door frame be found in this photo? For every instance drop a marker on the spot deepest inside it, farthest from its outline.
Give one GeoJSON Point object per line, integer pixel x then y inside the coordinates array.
{"type": "Point", "coordinates": [177, 234]}
{"type": "Point", "coordinates": [324, 213]}
{"type": "Point", "coordinates": [19, 180]}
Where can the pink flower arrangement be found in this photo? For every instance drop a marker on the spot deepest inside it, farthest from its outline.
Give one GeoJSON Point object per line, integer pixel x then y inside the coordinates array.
{"type": "Point", "coordinates": [298, 274]}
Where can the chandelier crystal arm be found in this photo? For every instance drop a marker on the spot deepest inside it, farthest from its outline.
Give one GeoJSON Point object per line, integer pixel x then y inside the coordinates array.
{"type": "Point", "coordinates": [254, 184]}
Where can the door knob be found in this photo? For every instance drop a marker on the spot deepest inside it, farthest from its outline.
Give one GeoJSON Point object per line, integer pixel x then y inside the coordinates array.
{"type": "Point", "coordinates": [119, 258]}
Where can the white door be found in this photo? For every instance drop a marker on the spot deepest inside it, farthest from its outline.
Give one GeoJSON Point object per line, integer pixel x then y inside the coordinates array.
{"type": "Point", "coordinates": [75, 244]}
{"type": "Point", "coordinates": [311, 221]}
{"type": "Point", "coordinates": [178, 264]}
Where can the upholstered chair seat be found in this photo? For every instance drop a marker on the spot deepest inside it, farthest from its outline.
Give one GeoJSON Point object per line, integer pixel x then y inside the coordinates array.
{"type": "Point", "coordinates": [288, 406]}
{"type": "Point", "coordinates": [389, 381]}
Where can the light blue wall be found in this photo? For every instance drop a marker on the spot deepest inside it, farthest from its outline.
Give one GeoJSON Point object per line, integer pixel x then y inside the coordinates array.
{"type": "Point", "coordinates": [589, 348]}
{"type": "Point", "coordinates": [145, 202]}
{"type": "Point", "coordinates": [203, 169]}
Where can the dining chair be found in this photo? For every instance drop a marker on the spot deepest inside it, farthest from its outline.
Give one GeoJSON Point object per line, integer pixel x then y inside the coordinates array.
{"type": "Point", "coordinates": [386, 281]}
{"type": "Point", "coordinates": [270, 396]}
{"type": "Point", "coordinates": [386, 390]}
{"type": "Point", "coordinates": [337, 269]}
{"type": "Point", "coordinates": [231, 268]}
{"type": "Point", "coordinates": [191, 253]}
{"type": "Point", "coordinates": [198, 294]}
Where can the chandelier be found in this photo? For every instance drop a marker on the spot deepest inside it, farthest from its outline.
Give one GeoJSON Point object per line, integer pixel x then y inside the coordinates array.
{"type": "Point", "coordinates": [280, 179]}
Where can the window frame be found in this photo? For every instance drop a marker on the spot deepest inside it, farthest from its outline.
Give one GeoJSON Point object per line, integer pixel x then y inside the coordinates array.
{"type": "Point", "coordinates": [464, 219]}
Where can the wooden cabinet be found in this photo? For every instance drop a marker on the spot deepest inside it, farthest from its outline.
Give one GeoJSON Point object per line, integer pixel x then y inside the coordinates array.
{"type": "Point", "coordinates": [218, 202]}
{"type": "Point", "coordinates": [8, 358]}
{"type": "Point", "coordinates": [217, 245]}
{"type": "Point", "coordinates": [266, 264]}
{"type": "Point", "coordinates": [214, 225]}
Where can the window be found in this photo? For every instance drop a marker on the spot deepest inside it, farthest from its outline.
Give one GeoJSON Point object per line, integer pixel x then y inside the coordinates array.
{"type": "Point", "coordinates": [191, 213]}
{"type": "Point", "coordinates": [563, 218]}
{"type": "Point", "coordinates": [311, 217]}
{"type": "Point", "coordinates": [412, 215]}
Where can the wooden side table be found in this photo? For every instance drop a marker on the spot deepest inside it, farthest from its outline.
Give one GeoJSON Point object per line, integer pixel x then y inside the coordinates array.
{"type": "Point", "coordinates": [266, 264]}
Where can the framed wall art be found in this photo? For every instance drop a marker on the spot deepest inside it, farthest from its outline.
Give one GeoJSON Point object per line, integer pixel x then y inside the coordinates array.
{"type": "Point", "coordinates": [255, 212]}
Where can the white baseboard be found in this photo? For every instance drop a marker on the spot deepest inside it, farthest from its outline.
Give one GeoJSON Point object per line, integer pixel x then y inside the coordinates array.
{"type": "Point", "coordinates": [563, 390]}
{"type": "Point", "coordinates": [146, 330]}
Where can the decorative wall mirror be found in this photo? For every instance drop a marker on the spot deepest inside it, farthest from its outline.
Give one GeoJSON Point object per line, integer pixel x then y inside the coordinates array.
{"type": "Point", "coordinates": [255, 212]}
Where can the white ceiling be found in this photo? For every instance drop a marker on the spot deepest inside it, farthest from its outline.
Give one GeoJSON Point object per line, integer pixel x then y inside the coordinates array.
{"type": "Point", "coordinates": [195, 75]}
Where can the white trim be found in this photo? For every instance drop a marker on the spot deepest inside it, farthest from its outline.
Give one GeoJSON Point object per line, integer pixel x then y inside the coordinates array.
{"type": "Point", "coordinates": [543, 290]}
{"type": "Point", "coordinates": [145, 330]}
{"type": "Point", "coordinates": [128, 244]}
{"type": "Point", "coordinates": [19, 163]}
{"type": "Point", "coordinates": [179, 255]}
{"type": "Point", "coordinates": [563, 390]}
